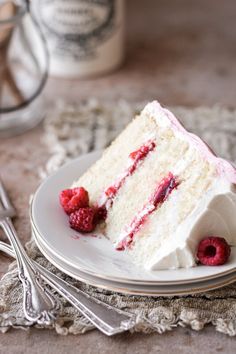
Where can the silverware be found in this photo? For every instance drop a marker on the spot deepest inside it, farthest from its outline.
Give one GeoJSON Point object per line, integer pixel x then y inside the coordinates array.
{"type": "Point", "coordinates": [108, 319]}
{"type": "Point", "coordinates": [39, 303]}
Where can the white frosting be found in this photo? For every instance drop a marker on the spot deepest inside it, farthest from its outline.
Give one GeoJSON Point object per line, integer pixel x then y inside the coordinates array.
{"type": "Point", "coordinates": [214, 216]}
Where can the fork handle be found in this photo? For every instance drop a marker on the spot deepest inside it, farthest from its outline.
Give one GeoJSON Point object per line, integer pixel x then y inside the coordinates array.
{"type": "Point", "coordinates": [39, 304]}
{"type": "Point", "coordinates": [106, 318]}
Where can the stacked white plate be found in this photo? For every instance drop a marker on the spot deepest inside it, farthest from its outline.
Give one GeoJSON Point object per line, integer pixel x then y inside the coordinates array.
{"type": "Point", "coordinates": [94, 260]}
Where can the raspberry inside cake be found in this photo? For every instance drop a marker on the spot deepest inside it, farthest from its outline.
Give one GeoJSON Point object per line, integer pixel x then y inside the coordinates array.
{"type": "Point", "coordinates": [162, 190]}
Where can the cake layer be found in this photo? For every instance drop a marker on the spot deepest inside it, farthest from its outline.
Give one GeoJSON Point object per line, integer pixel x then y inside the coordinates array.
{"type": "Point", "coordinates": [160, 195]}
{"type": "Point", "coordinates": [163, 190]}
{"type": "Point", "coordinates": [115, 159]}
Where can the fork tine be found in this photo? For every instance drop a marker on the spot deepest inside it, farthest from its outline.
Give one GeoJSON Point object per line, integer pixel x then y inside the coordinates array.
{"type": "Point", "coordinates": [9, 209]}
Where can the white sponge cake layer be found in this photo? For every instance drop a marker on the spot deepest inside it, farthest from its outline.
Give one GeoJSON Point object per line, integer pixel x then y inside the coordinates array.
{"type": "Point", "coordinates": [115, 159]}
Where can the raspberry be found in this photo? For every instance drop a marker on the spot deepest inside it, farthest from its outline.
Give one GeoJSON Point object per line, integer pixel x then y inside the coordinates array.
{"type": "Point", "coordinates": [111, 191]}
{"type": "Point", "coordinates": [83, 220]}
{"type": "Point", "coordinates": [101, 213]}
{"type": "Point", "coordinates": [73, 199]}
{"type": "Point", "coordinates": [213, 251]}
{"type": "Point", "coordinates": [142, 151]}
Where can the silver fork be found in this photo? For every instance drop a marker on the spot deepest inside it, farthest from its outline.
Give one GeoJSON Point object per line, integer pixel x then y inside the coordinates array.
{"type": "Point", "coordinates": [39, 303]}
{"type": "Point", "coordinates": [106, 318]}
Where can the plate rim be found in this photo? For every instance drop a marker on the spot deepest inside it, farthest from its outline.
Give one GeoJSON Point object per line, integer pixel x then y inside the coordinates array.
{"type": "Point", "coordinates": [135, 282]}
{"type": "Point", "coordinates": [96, 154]}
{"type": "Point", "coordinates": [230, 279]}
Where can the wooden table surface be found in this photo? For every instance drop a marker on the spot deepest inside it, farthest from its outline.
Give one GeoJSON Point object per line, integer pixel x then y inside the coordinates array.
{"type": "Point", "coordinates": [181, 52]}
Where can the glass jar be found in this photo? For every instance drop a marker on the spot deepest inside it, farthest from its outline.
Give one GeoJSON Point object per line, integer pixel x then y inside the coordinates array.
{"type": "Point", "coordinates": [23, 69]}
{"type": "Point", "coordinates": [84, 38]}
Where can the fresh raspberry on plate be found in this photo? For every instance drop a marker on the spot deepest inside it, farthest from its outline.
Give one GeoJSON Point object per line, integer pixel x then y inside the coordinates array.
{"type": "Point", "coordinates": [213, 251]}
{"type": "Point", "coordinates": [83, 220]}
{"type": "Point", "coordinates": [73, 199]}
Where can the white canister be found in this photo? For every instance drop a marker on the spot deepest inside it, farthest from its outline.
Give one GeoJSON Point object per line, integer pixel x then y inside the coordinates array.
{"type": "Point", "coordinates": [84, 37]}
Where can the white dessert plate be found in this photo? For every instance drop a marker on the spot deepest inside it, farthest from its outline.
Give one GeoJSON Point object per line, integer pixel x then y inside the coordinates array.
{"type": "Point", "coordinates": [137, 289]}
{"type": "Point", "coordinates": [96, 256]}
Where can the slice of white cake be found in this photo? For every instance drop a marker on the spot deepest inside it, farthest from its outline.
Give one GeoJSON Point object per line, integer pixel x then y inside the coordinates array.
{"type": "Point", "coordinates": [163, 191]}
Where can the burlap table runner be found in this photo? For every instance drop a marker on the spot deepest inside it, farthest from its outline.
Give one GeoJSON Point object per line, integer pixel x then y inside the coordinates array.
{"type": "Point", "coordinates": [77, 129]}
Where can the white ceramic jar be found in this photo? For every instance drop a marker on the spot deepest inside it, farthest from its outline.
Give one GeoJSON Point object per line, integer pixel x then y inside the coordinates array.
{"type": "Point", "coordinates": [84, 37]}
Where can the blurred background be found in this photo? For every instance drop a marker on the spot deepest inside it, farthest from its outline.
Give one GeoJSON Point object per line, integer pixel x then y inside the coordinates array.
{"type": "Point", "coordinates": [181, 52]}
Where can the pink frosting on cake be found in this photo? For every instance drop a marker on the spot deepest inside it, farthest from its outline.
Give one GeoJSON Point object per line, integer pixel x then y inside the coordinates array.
{"type": "Point", "coordinates": [224, 168]}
